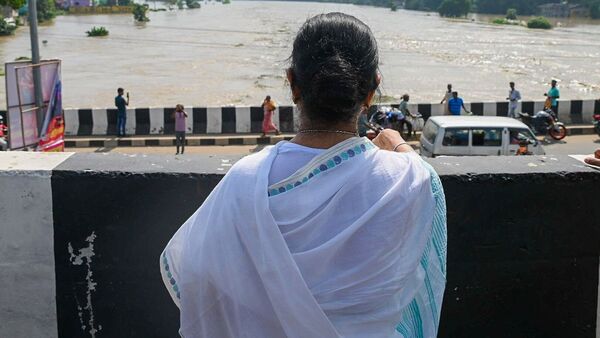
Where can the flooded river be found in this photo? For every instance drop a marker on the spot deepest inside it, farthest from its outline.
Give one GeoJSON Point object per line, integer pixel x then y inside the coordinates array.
{"type": "Point", "coordinates": [236, 54]}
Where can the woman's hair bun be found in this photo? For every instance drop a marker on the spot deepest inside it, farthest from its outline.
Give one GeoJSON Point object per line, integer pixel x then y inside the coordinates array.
{"type": "Point", "coordinates": [334, 63]}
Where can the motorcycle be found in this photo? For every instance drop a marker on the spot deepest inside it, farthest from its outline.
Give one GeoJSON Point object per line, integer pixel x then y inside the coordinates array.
{"type": "Point", "coordinates": [545, 122]}
{"type": "Point", "coordinates": [597, 124]}
{"type": "Point", "coordinates": [392, 118]}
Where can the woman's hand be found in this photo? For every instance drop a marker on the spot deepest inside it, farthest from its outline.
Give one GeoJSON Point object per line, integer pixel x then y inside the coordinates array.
{"type": "Point", "coordinates": [594, 161]}
{"type": "Point", "coordinates": [389, 139]}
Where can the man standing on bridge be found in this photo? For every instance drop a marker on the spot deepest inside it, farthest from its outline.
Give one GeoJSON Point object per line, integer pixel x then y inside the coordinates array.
{"type": "Point", "coordinates": [553, 94]}
{"type": "Point", "coordinates": [455, 104]}
{"type": "Point", "coordinates": [513, 97]}
{"type": "Point", "coordinates": [121, 105]}
{"type": "Point", "coordinates": [446, 99]}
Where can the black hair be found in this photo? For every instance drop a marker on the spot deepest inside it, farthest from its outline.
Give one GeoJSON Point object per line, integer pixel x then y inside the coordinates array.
{"type": "Point", "coordinates": [119, 89]}
{"type": "Point", "coordinates": [334, 66]}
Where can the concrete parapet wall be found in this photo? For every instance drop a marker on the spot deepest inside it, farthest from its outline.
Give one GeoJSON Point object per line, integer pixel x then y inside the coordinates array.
{"type": "Point", "coordinates": [523, 243]}
{"type": "Point", "coordinates": [228, 120]}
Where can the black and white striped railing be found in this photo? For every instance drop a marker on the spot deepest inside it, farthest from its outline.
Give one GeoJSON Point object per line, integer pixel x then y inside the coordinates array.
{"type": "Point", "coordinates": [201, 120]}
{"type": "Point", "coordinates": [239, 120]}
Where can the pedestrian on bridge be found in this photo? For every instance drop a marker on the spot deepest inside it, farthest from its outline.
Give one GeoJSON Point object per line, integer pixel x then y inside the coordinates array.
{"type": "Point", "coordinates": [121, 105]}
{"type": "Point", "coordinates": [553, 95]}
{"type": "Point", "coordinates": [180, 115]}
{"type": "Point", "coordinates": [269, 105]}
{"type": "Point", "coordinates": [446, 99]}
{"type": "Point", "coordinates": [513, 97]}
{"type": "Point", "coordinates": [456, 104]}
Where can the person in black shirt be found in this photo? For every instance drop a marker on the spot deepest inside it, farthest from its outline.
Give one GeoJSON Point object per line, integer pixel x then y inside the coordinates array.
{"type": "Point", "coordinates": [121, 105]}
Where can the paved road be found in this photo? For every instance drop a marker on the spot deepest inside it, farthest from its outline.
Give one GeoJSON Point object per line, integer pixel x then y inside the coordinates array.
{"type": "Point", "coordinates": [573, 145]}
{"type": "Point", "coordinates": [580, 144]}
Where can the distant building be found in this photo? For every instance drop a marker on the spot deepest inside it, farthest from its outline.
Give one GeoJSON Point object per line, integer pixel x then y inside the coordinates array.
{"type": "Point", "coordinates": [65, 4]}
{"type": "Point", "coordinates": [564, 10]}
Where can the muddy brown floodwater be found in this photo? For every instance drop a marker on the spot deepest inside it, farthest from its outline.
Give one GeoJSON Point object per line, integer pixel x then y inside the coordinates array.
{"type": "Point", "coordinates": [236, 54]}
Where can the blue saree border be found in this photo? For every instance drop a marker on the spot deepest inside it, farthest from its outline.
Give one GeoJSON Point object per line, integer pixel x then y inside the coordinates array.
{"type": "Point", "coordinates": [334, 157]}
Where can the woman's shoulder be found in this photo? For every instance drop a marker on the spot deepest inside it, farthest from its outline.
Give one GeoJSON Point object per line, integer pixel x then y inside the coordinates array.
{"type": "Point", "coordinates": [390, 167]}
{"type": "Point", "coordinates": [248, 166]}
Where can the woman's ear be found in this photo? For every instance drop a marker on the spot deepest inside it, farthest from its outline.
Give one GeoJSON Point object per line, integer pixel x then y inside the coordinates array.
{"type": "Point", "coordinates": [291, 80]}
{"type": "Point", "coordinates": [371, 94]}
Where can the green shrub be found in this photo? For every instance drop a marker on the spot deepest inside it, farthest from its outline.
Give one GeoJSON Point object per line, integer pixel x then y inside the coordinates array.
{"type": "Point", "coordinates": [139, 12]}
{"type": "Point", "coordinates": [455, 8]}
{"type": "Point", "coordinates": [503, 21]}
{"type": "Point", "coordinates": [539, 22]}
{"type": "Point", "coordinates": [14, 4]}
{"type": "Point", "coordinates": [97, 31]}
{"type": "Point", "coordinates": [226, 2]}
{"type": "Point", "coordinates": [393, 6]}
{"type": "Point", "coordinates": [191, 4]}
{"type": "Point", "coordinates": [46, 10]}
{"type": "Point", "coordinates": [6, 28]}
{"type": "Point", "coordinates": [511, 14]}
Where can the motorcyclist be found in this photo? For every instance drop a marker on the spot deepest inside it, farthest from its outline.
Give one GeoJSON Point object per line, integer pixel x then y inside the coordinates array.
{"type": "Point", "coordinates": [381, 118]}
{"type": "Point", "coordinates": [404, 110]}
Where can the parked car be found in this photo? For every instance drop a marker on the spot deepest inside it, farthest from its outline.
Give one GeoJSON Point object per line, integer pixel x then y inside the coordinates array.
{"type": "Point", "coordinates": [477, 136]}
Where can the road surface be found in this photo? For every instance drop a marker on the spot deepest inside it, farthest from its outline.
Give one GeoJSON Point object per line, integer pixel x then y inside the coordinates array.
{"type": "Point", "coordinates": [580, 144]}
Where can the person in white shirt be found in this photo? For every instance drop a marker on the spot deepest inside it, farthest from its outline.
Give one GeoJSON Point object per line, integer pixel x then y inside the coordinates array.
{"type": "Point", "coordinates": [513, 100]}
{"type": "Point", "coordinates": [447, 97]}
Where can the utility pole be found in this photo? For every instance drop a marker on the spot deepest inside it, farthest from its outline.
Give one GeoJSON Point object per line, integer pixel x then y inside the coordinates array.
{"type": "Point", "coordinates": [35, 60]}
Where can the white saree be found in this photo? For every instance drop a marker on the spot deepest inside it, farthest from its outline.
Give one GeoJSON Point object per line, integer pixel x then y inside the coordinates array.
{"type": "Point", "coordinates": [351, 245]}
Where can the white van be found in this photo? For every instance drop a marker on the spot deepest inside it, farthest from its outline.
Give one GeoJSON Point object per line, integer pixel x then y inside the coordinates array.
{"type": "Point", "coordinates": [476, 136]}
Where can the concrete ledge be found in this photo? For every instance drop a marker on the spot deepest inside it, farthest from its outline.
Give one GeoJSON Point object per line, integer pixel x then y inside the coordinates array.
{"type": "Point", "coordinates": [523, 243]}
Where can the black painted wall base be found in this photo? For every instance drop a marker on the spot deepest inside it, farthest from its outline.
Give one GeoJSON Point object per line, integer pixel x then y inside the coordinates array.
{"type": "Point", "coordinates": [522, 253]}
{"type": "Point", "coordinates": [522, 260]}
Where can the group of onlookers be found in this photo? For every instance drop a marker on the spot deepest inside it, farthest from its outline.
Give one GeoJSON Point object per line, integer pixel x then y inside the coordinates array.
{"type": "Point", "coordinates": [453, 105]}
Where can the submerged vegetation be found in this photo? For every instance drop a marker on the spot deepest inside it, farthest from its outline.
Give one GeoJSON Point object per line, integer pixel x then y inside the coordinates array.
{"type": "Point", "coordinates": [504, 21]}
{"type": "Point", "coordinates": [539, 22]}
{"type": "Point", "coordinates": [139, 12]}
{"type": "Point", "coordinates": [97, 31]}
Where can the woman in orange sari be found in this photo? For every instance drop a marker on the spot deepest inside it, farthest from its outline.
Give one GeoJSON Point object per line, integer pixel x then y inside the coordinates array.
{"type": "Point", "coordinates": [269, 107]}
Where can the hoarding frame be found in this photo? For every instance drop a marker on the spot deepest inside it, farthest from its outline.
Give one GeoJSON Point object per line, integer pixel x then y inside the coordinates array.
{"type": "Point", "coordinates": [45, 104]}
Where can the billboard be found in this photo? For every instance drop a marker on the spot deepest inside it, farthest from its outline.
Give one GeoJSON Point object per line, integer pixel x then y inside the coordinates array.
{"type": "Point", "coordinates": [20, 99]}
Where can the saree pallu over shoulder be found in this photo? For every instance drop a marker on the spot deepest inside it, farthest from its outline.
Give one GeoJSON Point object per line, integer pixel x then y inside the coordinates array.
{"type": "Point", "coordinates": [422, 317]}
{"type": "Point", "coordinates": [345, 251]}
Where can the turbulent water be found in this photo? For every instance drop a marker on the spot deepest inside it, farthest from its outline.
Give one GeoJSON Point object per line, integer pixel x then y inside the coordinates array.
{"type": "Point", "coordinates": [236, 54]}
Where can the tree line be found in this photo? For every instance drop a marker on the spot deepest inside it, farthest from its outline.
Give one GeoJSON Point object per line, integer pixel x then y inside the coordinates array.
{"type": "Point", "coordinates": [462, 7]}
